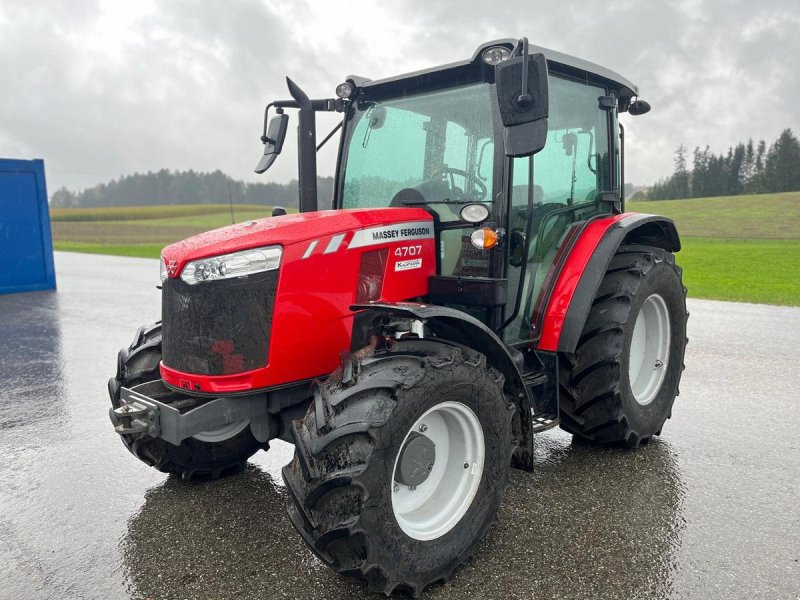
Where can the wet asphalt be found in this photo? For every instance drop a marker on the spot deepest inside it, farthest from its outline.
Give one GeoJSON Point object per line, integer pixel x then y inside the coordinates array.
{"type": "Point", "coordinates": [709, 510]}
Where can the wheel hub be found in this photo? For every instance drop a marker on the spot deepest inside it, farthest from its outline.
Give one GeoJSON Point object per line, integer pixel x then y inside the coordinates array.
{"type": "Point", "coordinates": [416, 460]}
{"type": "Point", "coordinates": [436, 475]}
{"type": "Point", "coordinates": [649, 351]}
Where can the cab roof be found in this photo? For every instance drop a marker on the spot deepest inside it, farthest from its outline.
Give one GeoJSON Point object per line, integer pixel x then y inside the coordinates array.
{"type": "Point", "coordinates": [557, 62]}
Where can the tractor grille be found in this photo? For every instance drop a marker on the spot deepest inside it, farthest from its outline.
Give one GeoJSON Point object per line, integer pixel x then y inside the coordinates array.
{"type": "Point", "coordinates": [217, 327]}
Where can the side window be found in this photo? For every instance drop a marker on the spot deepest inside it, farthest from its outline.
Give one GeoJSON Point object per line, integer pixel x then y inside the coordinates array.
{"type": "Point", "coordinates": [573, 166]}
{"type": "Point", "coordinates": [568, 174]}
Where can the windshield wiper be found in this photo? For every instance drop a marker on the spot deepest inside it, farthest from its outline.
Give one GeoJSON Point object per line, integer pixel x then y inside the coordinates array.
{"type": "Point", "coordinates": [444, 201]}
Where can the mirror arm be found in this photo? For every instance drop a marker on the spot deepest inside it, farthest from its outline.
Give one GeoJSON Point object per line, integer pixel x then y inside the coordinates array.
{"type": "Point", "coordinates": [264, 138]}
{"type": "Point", "coordinates": [266, 120]}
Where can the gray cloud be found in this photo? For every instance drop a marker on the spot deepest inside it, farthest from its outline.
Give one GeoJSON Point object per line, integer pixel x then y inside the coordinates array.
{"type": "Point", "coordinates": [101, 89]}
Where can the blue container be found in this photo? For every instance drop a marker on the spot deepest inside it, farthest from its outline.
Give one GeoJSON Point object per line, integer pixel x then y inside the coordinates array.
{"type": "Point", "coordinates": [26, 246]}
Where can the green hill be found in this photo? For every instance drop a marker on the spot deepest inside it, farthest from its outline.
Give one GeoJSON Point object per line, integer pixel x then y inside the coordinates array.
{"type": "Point", "coordinates": [743, 248]}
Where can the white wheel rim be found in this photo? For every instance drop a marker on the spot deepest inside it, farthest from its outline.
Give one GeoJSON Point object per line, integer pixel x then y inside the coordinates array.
{"type": "Point", "coordinates": [220, 434]}
{"type": "Point", "coordinates": [649, 351]}
{"type": "Point", "coordinates": [436, 505]}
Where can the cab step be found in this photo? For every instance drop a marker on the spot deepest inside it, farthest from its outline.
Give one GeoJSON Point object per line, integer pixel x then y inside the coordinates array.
{"type": "Point", "coordinates": [534, 378]}
{"type": "Point", "coordinates": [543, 421]}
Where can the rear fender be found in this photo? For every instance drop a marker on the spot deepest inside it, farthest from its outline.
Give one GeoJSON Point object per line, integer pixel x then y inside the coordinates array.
{"type": "Point", "coordinates": [580, 278]}
{"type": "Point", "coordinates": [456, 326]}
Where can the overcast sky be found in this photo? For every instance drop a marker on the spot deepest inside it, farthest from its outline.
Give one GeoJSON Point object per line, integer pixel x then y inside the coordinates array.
{"type": "Point", "coordinates": [102, 89]}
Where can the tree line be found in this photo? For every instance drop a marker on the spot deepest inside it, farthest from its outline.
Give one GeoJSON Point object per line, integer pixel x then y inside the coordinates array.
{"type": "Point", "coordinates": [747, 168]}
{"type": "Point", "coordinates": [186, 187]}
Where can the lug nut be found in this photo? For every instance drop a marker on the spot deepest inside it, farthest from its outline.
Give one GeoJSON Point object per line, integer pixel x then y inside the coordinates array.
{"type": "Point", "coordinates": [423, 428]}
{"type": "Point", "coordinates": [412, 488]}
{"type": "Point", "coordinates": [466, 465]}
{"type": "Point", "coordinates": [396, 488]}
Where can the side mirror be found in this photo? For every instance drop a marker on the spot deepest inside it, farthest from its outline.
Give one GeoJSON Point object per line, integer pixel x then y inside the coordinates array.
{"type": "Point", "coordinates": [639, 107]}
{"type": "Point", "coordinates": [522, 96]}
{"type": "Point", "coordinates": [273, 141]}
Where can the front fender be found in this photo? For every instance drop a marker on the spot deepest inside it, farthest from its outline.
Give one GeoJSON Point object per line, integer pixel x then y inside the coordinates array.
{"type": "Point", "coordinates": [456, 326]}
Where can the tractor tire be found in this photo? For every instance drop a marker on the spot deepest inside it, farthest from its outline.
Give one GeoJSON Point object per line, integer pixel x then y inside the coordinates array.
{"type": "Point", "coordinates": [193, 460]}
{"type": "Point", "coordinates": [346, 501]}
{"type": "Point", "coordinates": [619, 385]}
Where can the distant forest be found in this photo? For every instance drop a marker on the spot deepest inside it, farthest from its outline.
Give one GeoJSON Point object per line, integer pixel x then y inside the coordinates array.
{"type": "Point", "coordinates": [747, 168]}
{"type": "Point", "coordinates": [186, 187]}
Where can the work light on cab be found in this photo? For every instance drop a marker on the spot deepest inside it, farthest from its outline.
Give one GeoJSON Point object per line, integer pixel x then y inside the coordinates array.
{"type": "Point", "coordinates": [236, 264]}
{"type": "Point", "coordinates": [495, 55]}
{"type": "Point", "coordinates": [474, 213]}
{"type": "Point", "coordinates": [344, 90]}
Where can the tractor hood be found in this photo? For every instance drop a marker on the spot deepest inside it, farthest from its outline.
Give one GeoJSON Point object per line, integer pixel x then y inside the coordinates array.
{"type": "Point", "coordinates": [284, 230]}
{"type": "Point", "coordinates": [290, 323]}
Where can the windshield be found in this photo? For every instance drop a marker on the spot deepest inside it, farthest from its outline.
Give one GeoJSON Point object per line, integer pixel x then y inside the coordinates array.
{"type": "Point", "coordinates": [435, 147]}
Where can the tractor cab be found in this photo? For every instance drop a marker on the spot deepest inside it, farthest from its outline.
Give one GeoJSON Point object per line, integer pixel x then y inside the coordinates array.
{"type": "Point", "coordinates": [507, 183]}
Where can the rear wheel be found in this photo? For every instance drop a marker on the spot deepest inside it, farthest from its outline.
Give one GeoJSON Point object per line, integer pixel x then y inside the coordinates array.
{"type": "Point", "coordinates": [619, 385]}
{"type": "Point", "coordinates": [209, 454]}
{"type": "Point", "coordinates": [400, 464]}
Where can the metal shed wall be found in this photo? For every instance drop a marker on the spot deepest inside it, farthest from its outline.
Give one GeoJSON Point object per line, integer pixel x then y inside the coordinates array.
{"type": "Point", "coordinates": [26, 246]}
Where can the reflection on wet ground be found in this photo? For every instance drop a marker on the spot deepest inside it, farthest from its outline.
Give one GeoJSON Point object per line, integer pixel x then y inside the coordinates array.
{"type": "Point", "coordinates": [587, 520]}
{"type": "Point", "coordinates": [708, 511]}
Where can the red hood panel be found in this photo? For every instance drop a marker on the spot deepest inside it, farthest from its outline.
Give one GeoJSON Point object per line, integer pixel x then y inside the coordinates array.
{"type": "Point", "coordinates": [283, 230]}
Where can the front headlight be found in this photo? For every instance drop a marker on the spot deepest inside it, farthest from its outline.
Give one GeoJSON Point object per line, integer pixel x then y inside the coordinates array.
{"type": "Point", "coordinates": [236, 264]}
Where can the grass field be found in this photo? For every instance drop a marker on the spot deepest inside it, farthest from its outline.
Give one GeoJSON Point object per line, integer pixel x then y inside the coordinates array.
{"type": "Point", "coordinates": [139, 213]}
{"type": "Point", "coordinates": [141, 230]}
{"type": "Point", "coordinates": [763, 216]}
{"type": "Point", "coordinates": [742, 248]}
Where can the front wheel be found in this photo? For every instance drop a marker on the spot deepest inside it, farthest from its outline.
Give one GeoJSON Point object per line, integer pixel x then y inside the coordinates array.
{"type": "Point", "coordinates": [400, 464]}
{"type": "Point", "coordinates": [619, 385]}
{"type": "Point", "coordinates": [207, 455]}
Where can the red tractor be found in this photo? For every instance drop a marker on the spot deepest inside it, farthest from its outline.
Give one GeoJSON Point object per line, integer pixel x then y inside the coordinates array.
{"type": "Point", "coordinates": [477, 282]}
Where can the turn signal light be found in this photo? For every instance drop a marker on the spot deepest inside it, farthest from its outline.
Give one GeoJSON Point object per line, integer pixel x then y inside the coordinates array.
{"type": "Point", "coordinates": [484, 238]}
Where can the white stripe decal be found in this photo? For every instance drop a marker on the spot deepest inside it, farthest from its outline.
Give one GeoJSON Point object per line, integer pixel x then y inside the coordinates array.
{"type": "Point", "coordinates": [416, 230]}
{"type": "Point", "coordinates": [334, 244]}
{"type": "Point", "coordinates": [310, 249]}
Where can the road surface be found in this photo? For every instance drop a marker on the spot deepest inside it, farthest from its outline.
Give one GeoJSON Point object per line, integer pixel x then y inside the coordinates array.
{"type": "Point", "coordinates": [709, 510]}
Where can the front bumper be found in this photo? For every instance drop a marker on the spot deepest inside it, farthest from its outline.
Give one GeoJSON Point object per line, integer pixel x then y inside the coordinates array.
{"type": "Point", "coordinates": [157, 411]}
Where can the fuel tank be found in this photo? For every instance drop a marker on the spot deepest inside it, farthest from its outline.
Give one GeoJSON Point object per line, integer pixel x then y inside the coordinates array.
{"type": "Point", "coordinates": [269, 329]}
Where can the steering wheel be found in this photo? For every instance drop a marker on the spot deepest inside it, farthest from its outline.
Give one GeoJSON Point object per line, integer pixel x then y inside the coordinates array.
{"type": "Point", "coordinates": [469, 179]}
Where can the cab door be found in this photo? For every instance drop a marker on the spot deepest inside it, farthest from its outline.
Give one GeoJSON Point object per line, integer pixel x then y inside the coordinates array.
{"type": "Point", "coordinates": [553, 194]}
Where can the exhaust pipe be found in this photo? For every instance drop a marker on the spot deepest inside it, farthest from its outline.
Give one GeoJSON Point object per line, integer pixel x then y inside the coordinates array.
{"type": "Point", "coordinates": [306, 149]}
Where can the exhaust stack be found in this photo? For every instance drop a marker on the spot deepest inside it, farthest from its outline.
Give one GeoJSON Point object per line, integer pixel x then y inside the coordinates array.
{"type": "Point", "coordinates": [306, 148]}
